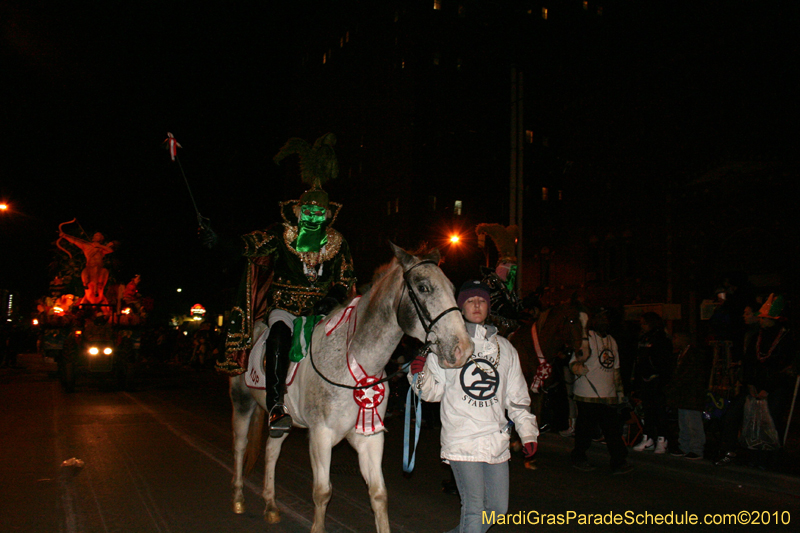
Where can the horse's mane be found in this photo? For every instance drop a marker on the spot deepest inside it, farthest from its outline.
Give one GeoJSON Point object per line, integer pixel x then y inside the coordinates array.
{"type": "Point", "coordinates": [382, 270]}
{"type": "Point", "coordinates": [421, 251]}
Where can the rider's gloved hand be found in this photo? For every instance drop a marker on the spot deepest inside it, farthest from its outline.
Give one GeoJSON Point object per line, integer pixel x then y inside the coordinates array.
{"type": "Point", "coordinates": [325, 306]}
{"type": "Point", "coordinates": [529, 449]}
{"type": "Point", "coordinates": [207, 236]}
{"type": "Point", "coordinates": [417, 364]}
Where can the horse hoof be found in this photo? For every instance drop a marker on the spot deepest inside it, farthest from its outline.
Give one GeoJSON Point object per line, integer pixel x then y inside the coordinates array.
{"type": "Point", "coordinates": [531, 465]}
{"type": "Point", "coordinates": [272, 517]}
{"type": "Point", "coordinates": [238, 507]}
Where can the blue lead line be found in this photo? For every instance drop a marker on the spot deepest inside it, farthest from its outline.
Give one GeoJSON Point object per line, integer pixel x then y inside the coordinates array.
{"type": "Point", "coordinates": [408, 466]}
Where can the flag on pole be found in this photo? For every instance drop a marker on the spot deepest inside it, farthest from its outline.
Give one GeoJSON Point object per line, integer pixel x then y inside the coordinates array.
{"type": "Point", "coordinates": [172, 145]}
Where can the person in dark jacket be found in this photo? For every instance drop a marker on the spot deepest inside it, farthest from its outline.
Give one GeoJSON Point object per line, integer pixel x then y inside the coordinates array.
{"type": "Point", "coordinates": [686, 392]}
{"type": "Point", "coordinates": [652, 372]}
{"type": "Point", "coordinates": [768, 373]}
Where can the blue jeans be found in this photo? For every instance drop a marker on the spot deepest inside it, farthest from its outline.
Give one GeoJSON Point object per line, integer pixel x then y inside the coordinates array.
{"type": "Point", "coordinates": [483, 487]}
{"type": "Point", "coordinates": [691, 432]}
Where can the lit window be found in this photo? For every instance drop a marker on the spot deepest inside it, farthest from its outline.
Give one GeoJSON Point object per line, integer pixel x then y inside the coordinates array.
{"type": "Point", "coordinates": [560, 195]}
{"type": "Point", "coordinates": [585, 5]}
{"type": "Point", "coordinates": [347, 37]}
{"type": "Point", "coordinates": [324, 58]}
{"type": "Point", "coordinates": [545, 194]}
{"type": "Point", "coordinates": [544, 13]}
{"type": "Point", "coordinates": [397, 205]}
{"type": "Point", "coordinates": [437, 4]}
{"type": "Point", "coordinates": [457, 208]}
{"type": "Point", "coordinates": [341, 42]}
{"type": "Point", "coordinates": [529, 136]}
{"type": "Point", "coordinates": [389, 207]}
{"type": "Point", "coordinates": [458, 63]}
{"type": "Point", "coordinates": [403, 64]}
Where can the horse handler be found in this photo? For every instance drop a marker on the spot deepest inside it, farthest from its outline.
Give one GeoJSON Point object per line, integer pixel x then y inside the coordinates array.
{"type": "Point", "coordinates": [474, 401]}
{"type": "Point", "coordinates": [299, 268]}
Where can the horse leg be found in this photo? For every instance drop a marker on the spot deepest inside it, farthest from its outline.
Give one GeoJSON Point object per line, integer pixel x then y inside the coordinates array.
{"type": "Point", "coordinates": [370, 456]}
{"type": "Point", "coordinates": [243, 407]}
{"type": "Point", "coordinates": [271, 513]}
{"type": "Point", "coordinates": [321, 442]}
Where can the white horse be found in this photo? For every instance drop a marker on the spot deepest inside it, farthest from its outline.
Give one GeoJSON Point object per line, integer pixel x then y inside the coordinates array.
{"type": "Point", "coordinates": [410, 295]}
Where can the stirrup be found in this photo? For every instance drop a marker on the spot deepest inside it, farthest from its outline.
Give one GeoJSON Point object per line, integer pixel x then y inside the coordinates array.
{"type": "Point", "coordinates": [279, 422]}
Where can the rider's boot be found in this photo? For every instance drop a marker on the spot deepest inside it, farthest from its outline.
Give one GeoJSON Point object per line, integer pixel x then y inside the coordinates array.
{"type": "Point", "coordinates": [276, 365]}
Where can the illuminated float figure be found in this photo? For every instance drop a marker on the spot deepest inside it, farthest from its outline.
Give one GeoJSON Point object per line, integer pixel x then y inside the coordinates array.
{"type": "Point", "coordinates": [94, 276]}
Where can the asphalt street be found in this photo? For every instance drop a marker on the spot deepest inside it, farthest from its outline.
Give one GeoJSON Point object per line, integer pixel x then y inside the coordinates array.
{"type": "Point", "coordinates": [158, 459]}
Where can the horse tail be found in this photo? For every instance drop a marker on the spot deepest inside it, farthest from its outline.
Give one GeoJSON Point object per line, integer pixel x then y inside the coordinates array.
{"type": "Point", "coordinates": [254, 448]}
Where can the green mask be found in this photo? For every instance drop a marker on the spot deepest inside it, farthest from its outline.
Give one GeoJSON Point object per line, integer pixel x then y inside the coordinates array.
{"type": "Point", "coordinates": [311, 224]}
{"type": "Point", "coordinates": [512, 278]}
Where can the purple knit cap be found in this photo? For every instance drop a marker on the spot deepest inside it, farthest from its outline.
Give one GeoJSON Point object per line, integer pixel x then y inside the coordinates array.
{"type": "Point", "coordinates": [473, 288]}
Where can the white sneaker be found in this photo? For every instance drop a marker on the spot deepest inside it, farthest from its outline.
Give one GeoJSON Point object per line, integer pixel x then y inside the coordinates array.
{"type": "Point", "coordinates": [645, 444]}
{"type": "Point", "coordinates": [661, 445]}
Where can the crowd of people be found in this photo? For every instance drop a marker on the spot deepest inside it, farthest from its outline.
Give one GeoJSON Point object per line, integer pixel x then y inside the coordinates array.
{"type": "Point", "coordinates": [667, 382]}
{"type": "Point", "coordinates": [665, 388]}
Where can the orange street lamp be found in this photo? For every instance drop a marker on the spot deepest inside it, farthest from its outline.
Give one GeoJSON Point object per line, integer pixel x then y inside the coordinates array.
{"type": "Point", "coordinates": [454, 239]}
{"type": "Point", "coordinates": [3, 206]}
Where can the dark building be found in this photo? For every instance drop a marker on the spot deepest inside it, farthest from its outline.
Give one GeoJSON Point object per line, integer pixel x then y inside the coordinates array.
{"type": "Point", "coordinates": [617, 109]}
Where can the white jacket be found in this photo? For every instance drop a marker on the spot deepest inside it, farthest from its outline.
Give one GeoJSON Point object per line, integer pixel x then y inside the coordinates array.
{"type": "Point", "coordinates": [474, 399]}
{"type": "Point", "coordinates": [598, 378]}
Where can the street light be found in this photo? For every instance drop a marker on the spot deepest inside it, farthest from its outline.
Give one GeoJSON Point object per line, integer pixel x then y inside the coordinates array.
{"type": "Point", "coordinates": [454, 239]}
{"type": "Point", "coordinates": [3, 206]}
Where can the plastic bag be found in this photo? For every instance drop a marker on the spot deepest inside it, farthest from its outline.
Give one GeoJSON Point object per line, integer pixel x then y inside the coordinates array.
{"type": "Point", "coordinates": [758, 429]}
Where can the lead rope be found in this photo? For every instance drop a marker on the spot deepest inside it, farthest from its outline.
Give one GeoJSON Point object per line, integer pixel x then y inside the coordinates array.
{"type": "Point", "coordinates": [408, 464]}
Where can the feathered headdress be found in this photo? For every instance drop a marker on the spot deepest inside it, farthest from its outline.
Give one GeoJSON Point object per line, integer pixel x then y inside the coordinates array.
{"type": "Point", "coordinates": [505, 239]}
{"type": "Point", "coordinates": [318, 165]}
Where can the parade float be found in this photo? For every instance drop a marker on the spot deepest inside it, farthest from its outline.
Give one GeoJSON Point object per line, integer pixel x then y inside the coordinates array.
{"type": "Point", "coordinates": [91, 324]}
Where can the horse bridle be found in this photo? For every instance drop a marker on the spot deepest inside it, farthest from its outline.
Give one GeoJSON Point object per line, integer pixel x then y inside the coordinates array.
{"type": "Point", "coordinates": [422, 314]}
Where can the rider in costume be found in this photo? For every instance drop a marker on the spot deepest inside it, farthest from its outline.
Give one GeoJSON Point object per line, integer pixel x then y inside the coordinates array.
{"type": "Point", "coordinates": [297, 268]}
{"type": "Point", "coordinates": [506, 308]}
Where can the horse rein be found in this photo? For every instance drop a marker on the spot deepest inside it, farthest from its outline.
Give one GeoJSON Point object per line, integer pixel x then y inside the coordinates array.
{"type": "Point", "coordinates": [422, 314]}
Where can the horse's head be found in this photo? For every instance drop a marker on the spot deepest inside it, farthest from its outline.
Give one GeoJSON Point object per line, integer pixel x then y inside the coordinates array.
{"type": "Point", "coordinates": [427, 309]}
{"type": "Point", "coordinates": [565, 329]}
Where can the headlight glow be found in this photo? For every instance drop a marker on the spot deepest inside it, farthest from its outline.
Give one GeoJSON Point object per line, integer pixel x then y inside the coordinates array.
{"type": "Point", "coordinates": [107, 351]}
{"type": "Point", "coordinates": [93, 350]}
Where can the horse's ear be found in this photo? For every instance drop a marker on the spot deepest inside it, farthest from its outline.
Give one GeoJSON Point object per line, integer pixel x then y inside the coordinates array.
{"type": "Point", "coordinates": [406, 259]}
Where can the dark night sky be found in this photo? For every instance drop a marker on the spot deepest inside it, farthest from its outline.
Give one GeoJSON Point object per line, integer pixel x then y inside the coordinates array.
{"type": "Point", "coordinates": [91, 89]}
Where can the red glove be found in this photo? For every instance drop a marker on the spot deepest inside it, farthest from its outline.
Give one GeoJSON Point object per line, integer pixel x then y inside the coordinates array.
{"type": "Point", "coordinates": [417, 364]}
{"type": "Point", "coordinates": [529, 449]}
